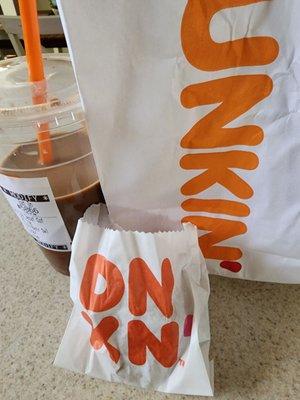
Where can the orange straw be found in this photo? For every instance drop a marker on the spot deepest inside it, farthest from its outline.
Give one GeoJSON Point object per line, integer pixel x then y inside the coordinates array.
{"type": "Point", "coordinates": [33, 50]}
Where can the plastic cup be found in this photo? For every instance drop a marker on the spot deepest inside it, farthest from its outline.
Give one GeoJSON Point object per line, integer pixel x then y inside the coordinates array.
{"type": "Point", "coordinates": [48, 199]}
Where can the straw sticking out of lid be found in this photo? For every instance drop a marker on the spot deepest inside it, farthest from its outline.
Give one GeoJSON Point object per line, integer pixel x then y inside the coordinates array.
{"type": "Point", "coordinates": [31, 34]}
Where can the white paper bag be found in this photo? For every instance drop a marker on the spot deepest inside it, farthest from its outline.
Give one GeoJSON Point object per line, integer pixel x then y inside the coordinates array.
{"type": "Point", "coordinates": [140, 311]}
{"type": "Point", "coordinates": [193, 111]}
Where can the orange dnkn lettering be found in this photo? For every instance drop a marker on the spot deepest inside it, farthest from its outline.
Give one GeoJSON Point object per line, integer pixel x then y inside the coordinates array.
{"type": "Point", "coordinates": [143, 282]}
{"type": "Point", "coordinates": [233, 96]}
{"type": "Point", "coordinates": [98, 264]}
{"type": "Point", "coordinates": [205, 54]}
{"type": "Point", "coordinates": [101, 333]}
{"type": "Point", "coordinates": [237, 94]}
{"type": "Point", "coordinates": [226, 207]}
{"type": "Point", "coordinates": [140, 338]}
{"type": "Point", "coordinates": [218, 168]}
{"type": "Point", "coordinates": [219, 230]}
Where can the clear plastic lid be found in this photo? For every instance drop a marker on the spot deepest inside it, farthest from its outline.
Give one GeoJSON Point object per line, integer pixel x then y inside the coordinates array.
{"type": "Point", "coordinates": [62, 101]}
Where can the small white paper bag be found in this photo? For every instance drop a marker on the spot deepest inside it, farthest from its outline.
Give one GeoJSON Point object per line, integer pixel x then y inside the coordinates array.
{"type": "Point", "coordinates": [140, 312]}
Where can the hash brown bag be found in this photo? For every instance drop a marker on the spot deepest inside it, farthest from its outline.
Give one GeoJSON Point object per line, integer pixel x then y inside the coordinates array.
{"type": "Point", "coordinates": [140, 312]}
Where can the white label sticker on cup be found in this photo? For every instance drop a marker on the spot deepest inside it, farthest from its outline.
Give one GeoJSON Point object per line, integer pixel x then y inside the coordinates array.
{"type": "Point", "coordinates": [33, 202]}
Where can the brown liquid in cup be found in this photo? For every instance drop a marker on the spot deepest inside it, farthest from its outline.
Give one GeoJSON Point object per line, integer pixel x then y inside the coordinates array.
{"type": "Point", "coordinates": [74, 184]}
